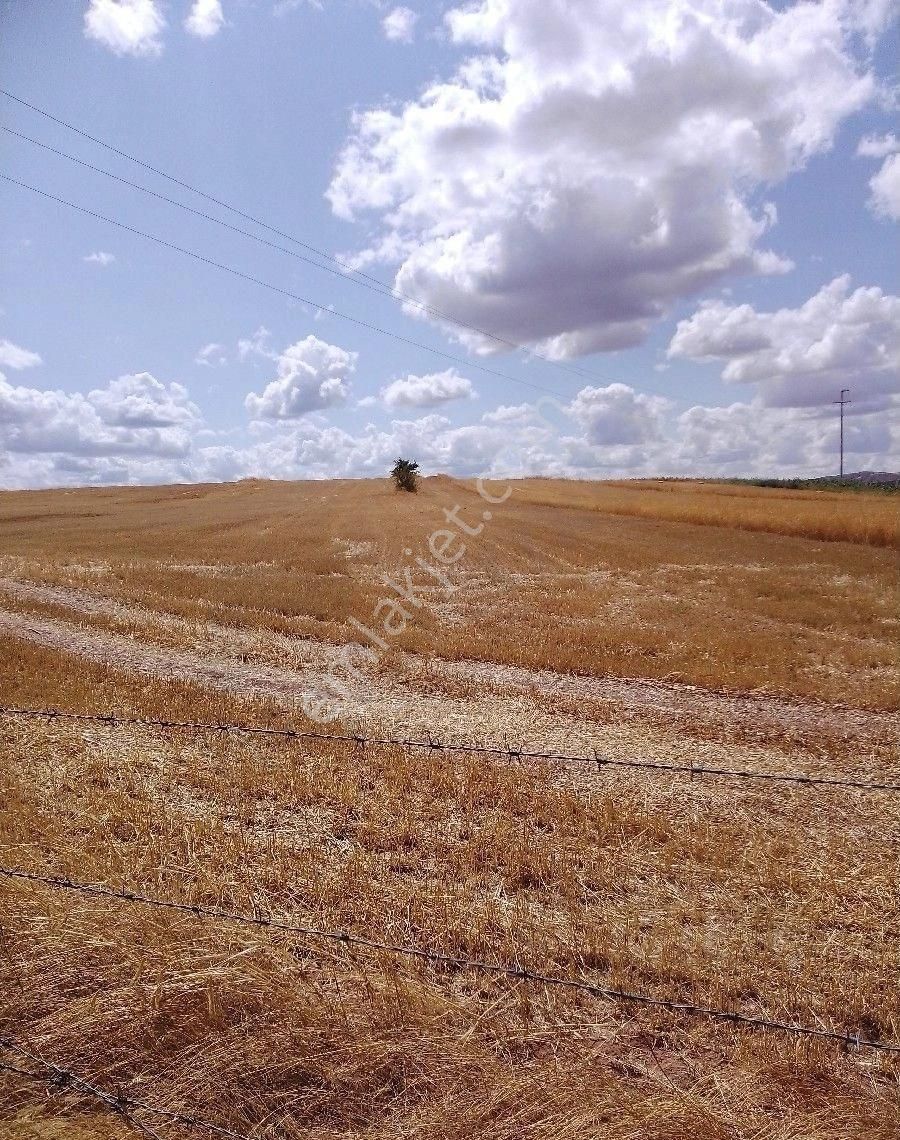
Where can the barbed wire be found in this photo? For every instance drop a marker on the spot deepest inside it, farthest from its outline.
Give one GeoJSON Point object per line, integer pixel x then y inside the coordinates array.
{"type": "Point", "coordinates": [65, 1080]}
{"type": "Point", "coordinates": [434, 745]}
{"type": "Point", "coordinates": [439, 958]}
{"type": "Point", "coordinates": [61, 1078]}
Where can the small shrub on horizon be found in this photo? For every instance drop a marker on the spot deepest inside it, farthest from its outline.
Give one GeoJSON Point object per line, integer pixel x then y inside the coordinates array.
{"type": "Point", "coordinates": [404, 474]}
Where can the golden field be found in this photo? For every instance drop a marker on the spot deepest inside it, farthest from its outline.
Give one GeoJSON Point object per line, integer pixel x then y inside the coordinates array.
{"type": "Point", "coordinates": [582, 578]}
{"type": "Point", "coordinates": [725, 626]}
{"type": "Point", "coordinates": [871, 518]}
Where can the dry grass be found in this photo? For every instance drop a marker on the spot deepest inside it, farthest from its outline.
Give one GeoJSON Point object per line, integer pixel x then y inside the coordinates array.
{"type": "Point", "coordinates": [783, 904]}
{"type": "Point", "coordinates": [573, 589]}
{"type": "Point", "coordinates": [739, 902]}
{"type": "Point", "coordinates": [872, 518]}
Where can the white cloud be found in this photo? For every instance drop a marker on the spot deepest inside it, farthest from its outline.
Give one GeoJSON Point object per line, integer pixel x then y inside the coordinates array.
{"type": "Point", "coordinates": [618, 415]}
{"type": "Point", "coordinates": [521, 440]}
{"type": "Point", "coordinates": [283, 7]}
{"type": "Point", "coordinates": [100, 258]}
{"type": "Point", "coordinates": [427, 391]}
{"type": "Point", "coordinates": [877, 146]}
{"type": "Point", "coordinates": [802, 357]}
{"type": "Point", "coordinates": [884, 201]}
{"type": "Point", "coordinates": [12, 356]}
{"type": "Point", "coordinates": [604, 434]}
{"type": "Point", "coordinates": [326, 451]}
{"type": "Point", "coordinates": [508, 414]}
{"type": "Point", "coordinates": [135, 429]}
{"type": "Point", "coordinates": [141, 401]}
{"type": "Point", "coordinates": [256, 345]}
{"type": "Point", "coordinates": [885, 187]}
{"type": "Point", "coordinates": [594, 162]}
{"type": "Point", "coordinates": [126, 27]}
{"type": "Point", "coordinates": [312, 375]}
{"type": "Point", "coordinates": [870, 17]}
{"type": "Point", "coordinates": [205, 18]}
{"type": "Point", "coordinates": [399, 25]}
{"type": "Point", "coordinates": [747, 439]}
{"type": "Point", "coordinates": [211, 354]}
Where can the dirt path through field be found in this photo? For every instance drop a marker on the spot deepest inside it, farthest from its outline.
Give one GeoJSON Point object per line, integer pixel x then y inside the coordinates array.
{"type": "Point", "coordinates": [463, 700]}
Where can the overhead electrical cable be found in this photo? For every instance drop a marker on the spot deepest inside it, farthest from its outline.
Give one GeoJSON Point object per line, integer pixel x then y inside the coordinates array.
{"type": "Point", "coordinates": [357, 276]}
{"type": "Point", "coordinates": [279, 289]}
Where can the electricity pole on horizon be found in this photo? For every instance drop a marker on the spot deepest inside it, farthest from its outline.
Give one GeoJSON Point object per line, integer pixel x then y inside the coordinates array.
{"type": "Point", "coordinates": [842, 402]}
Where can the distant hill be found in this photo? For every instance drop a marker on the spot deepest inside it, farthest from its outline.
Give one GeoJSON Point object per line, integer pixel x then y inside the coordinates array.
{"type": "Point", "coordinates": [884, 478]}
{"type": "Point", "coordinates": [873, 480]}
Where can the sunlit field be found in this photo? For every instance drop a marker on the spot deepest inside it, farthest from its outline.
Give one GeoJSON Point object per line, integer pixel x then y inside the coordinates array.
{"type": "Point", "coordinates": [872, 518]}
{"type": "Point", "coordinates": [675, 581]}
{"type": "Point", "coordinates": [692, 625]}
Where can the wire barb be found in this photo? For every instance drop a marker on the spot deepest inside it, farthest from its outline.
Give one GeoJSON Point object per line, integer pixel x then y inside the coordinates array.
{"type": "Point", "coordinates": [606, 993]}
{"type": "Point", "coordinates": [118, 1101]}
{"type": "Point", "coordinates": [507, 750]}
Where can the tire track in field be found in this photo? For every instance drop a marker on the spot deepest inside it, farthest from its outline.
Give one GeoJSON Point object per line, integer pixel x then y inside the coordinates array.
{"type": "Point", "coordinates": [499, 699]}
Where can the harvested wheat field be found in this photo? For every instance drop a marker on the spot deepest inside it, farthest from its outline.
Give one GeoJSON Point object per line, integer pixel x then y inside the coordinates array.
{"type": "Point", "coordinates": [367, 939]}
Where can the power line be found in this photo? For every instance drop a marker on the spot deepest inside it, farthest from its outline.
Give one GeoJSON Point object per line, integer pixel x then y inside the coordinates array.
{"type": "Point", "coordinates": [437, 957]}
{"type": "Point", "coordinates": [366, 280]}
{"type": "Point", "coordinates": [278, 289]}
{"type": "Point", "coordinates": [64, 1079]}
{"type": "Point", "coordinates": [433, 745]}
{"type": "Point", "coordinates": [385, 291]}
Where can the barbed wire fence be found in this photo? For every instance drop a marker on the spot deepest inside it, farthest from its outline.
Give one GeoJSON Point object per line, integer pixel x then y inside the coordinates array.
{"type": "Point", "coordinates": [436, 746]}
{"type": "Point", "coordinates": [515, 971]}
{"type": "Point", "coordinates": [132, 1109]}
{"type": "Point", "coordinates": [62, 1079]}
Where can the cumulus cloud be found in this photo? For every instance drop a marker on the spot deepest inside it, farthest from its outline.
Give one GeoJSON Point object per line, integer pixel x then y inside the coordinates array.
{"type": "Point", "coordinates": [748, 439]}
{"type": "Point", "coordinates": [256, 345]}
{"type": "Point", "coordinates": [884, 201]}
{"type": "Point", "coordinates": [134, 424]}
{"type": "Point", "coordinates": [617, 415]}
{"type": "Point", "coordinates": [126, 27]}
{"type": "Point", "coordinates": [399, 25]}
{"type": "Point", "coordinates": [312, 375]}
{"type": "Point", "coordinates": [508, 414]}
{"type": "Point", "coordinates": [427, 391]}
{"type": "Point", "coordinates": [885, 187]}
{"type": "Point", "coordinates": [870, 17]}
{"type": "Point", "coordinates": [602, 434]}
{"type": "Point", "coordinates": [802, 357]}
{"type": "Point", "coordinates": [137, 430]}
{"type": "Point", "coordinates": [101, 258]}
{"type": "Point", "coordinates": [603, 431]}
{"type": "Point", "coordinates": [591, 163]}
{"type": "Point", "coordinates": [12, 356]}
{"type": "Point", "coordinates": [326, 451]}
{"type": "Point", "coordinates": [140, 401]}
{"type": "Point", "coordinates": [211, 354]}
{"type": "Point", "coordinates": [205, 18]}
{"type": "Point", "coordinates": [877, 146]}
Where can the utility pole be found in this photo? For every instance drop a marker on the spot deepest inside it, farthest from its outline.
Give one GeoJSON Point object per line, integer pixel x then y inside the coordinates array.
{"type": "Point", "coordinates": [842, 402]}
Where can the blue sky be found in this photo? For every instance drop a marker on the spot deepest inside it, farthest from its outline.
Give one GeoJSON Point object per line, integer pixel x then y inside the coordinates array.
{"type": "Point", "coordinates": [695, 205]}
